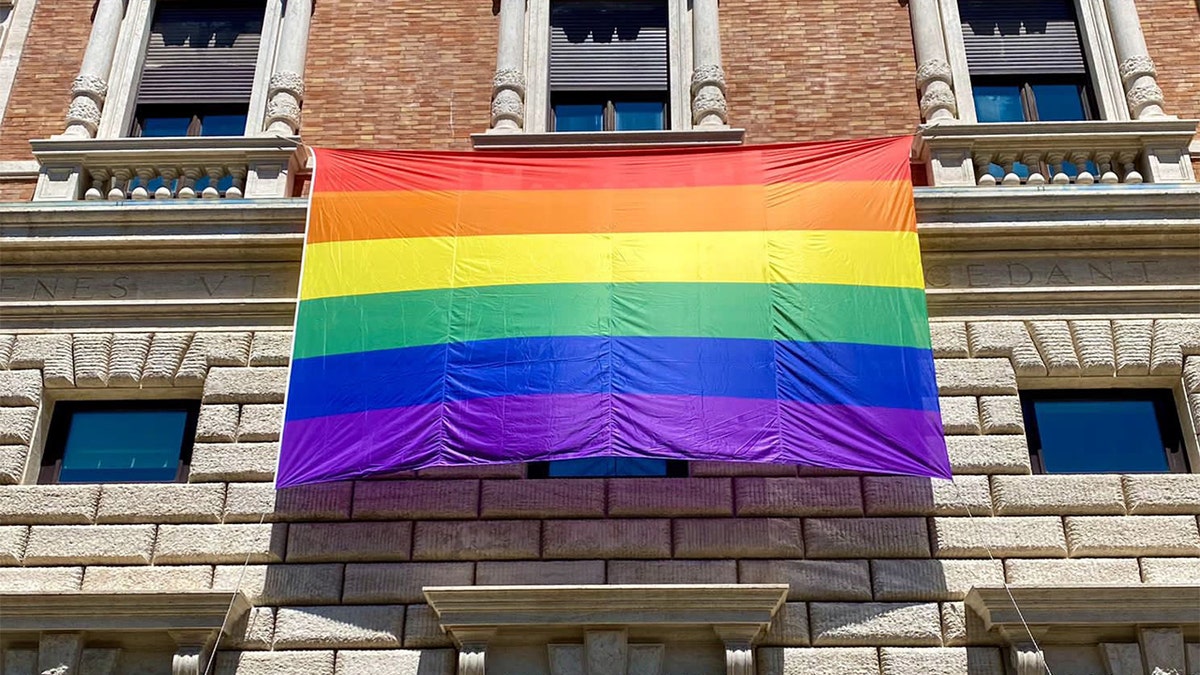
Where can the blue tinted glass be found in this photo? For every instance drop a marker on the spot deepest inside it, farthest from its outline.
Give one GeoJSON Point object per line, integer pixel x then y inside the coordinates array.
{"type": "Point", "coordinates": [223, 125]}
{"type": "Point", "coordinates": [639, 115]}
{"type": "Point", "coordinates": [608, 466]}
{"type": "Point", "coordinates": [165, 126]}
{"type": "Point", "coordinates": [1058, 102]}
{"type": "Point", "coordinates": [579, 117]}
{"type": "Point", "coordinates": [123, 446]}
{"type": "Point", "coordinates": [998, 103]}
{"type": "Point", "coordinates": [1100, 436]}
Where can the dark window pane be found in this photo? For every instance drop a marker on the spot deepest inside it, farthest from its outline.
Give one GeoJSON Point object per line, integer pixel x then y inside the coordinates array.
{"type": "Point", "coordinates": [639, 115]}
{"type": "Point", "coordinates": [1058, 102]}
{"type": "Point", "coordinates": [579, 117]}
{"type": "Point", "coordinates": [1099, 436]}
{"type": "Point", "coordinates": [998, 103]}
{"type": "Point", "coordinates": [123, 446]}
{"type": "Point", "coordinates": [223, 125]}
{"type": "Point", "coordinates": [608, 466]}
{"type": "Point", "coordinates": [165, 126]}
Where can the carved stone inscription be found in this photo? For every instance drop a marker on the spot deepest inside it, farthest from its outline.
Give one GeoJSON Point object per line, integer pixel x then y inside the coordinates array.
{"type": "Point", "coordinates": [125, 283]}
{"type": "Point", "coordinates": [941, 272]}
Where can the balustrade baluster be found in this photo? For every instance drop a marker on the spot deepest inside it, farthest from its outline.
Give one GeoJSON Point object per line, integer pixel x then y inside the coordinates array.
{"type": "Point", "coordinates": [1080, 159]}
{"type": "Point", "coordinates": [167, 189]}
{"type": "Point", "coordinates": [121, 179]}
{"type": "Point", "coordinates": [1104, 164]}
{"type": "Point", "coordinates": [1033, 160]}
{"type": "Point", "coordinates": [215, 174]}
{"type": "Point", "coordinates": [99, 188]}
{"type": "Point", "coordinates": [983, 166]}
{"type": "Point", "coordinates": [1126, 160]}
{"type": "Point", "coordinates": [187, 184]}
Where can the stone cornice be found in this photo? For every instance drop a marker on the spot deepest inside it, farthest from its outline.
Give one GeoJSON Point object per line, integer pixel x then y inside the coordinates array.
{"type": "Point", "coordinates": [188, 150]}
{"type": "Point", "coordinates": [130, 611]}
{"type": "Point", "coordinates": [1084, 606]}
{"type": "Point", "coordinates": [606, 139]}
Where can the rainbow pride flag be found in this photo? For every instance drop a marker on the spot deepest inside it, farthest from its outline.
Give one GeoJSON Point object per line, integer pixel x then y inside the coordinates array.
{"type": "Point", "coordinates": [752, 304]}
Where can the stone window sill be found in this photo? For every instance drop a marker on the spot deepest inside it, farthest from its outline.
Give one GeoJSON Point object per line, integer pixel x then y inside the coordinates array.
{"type": "Point", "coordinates": [605, 139]}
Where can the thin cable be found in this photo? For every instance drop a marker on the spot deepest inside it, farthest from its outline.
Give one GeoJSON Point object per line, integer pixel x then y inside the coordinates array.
{"type": "Point", "coordinates": [237, 588]}
{"type": "Point", "coordinates": [1003, 580]}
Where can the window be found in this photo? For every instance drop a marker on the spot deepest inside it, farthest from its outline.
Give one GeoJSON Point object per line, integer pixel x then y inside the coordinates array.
{"type": "Point", "coordinates": [1026, 61]}
{"type": "Point", "coordinates": [612, 467]}
{"type": "Point", "coordinates": [1103, 431]}
{"type": "Point", "coordinates": [120, 442]}
{"type": "Point", "coordinates": [609, 66]}
{"type": "Point", "coordinates": [199, 69]}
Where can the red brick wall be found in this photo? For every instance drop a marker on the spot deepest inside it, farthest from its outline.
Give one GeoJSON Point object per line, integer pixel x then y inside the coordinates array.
{"type": "Point", "coordinates": [1172, 29]}
{"type": "Point", "coordinates": [42, 87]}
{"type": "Point", "coordinates": [17, 191]}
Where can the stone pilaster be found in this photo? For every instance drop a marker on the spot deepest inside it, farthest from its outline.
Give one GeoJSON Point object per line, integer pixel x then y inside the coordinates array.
{"type": "Point", "coordinates": [508, 84]}
{"type": "Point", "coordinates": [709, 108]}
{"type": "Point", "coordinates": [933, 69]}
{"type": "Point", "coordinates": [1138, 74]}
{"type": "Point", "coordinates": [90, 88]}
{"type": "Point", "coordinates": [285, 92]}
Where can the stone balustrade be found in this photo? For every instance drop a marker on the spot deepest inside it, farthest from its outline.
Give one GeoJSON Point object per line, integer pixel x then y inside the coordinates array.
{"type": "Point", "coordinates": [166, 168]}
{"type": "Point", "coordinates": [1058, 153]}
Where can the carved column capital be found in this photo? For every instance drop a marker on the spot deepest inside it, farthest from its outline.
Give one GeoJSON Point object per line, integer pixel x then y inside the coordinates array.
{"type": "Point", "coordinates": [709, 105]}
{"type": "Point", "coordinates": [84, 111]}
{"type": "Point", "coordinates": [286, 81]}
{"type": "Point", "coordinates": [1028, 660]}
{"type": "Point", "coordinates": [91, 86]}
{"type": "Point", "coordinates": [508, 78]}
{"type": "Point", "coordinates": [1143, 96]}
{"type": "Point", "coordinates": [1137, 66]}
{"type": "Point", "coordinates": [938, 96]}
{"type": "Point", "coordinates": [933, 70]}
{"type": "Point", "coordinates": [708, 76]}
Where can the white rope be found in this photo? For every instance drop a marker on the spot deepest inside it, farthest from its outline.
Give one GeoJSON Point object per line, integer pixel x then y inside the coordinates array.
{"type": "Point", "coordinates": [237, 588]}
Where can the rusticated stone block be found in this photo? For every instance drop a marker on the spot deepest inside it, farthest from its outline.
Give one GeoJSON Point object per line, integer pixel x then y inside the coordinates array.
{"type": "Point", "coordinates": [1172, 339]}
{"type": "Point", "coordinates": [607, 539]}
{"type": "Point", "coordinates": [536, 573]}
{"type": "Point", "coordinates": [57, 504]}
{"type": "Point", "coordinates": [248, 502]}
{"type": "Point", "coordinates": [542, 498]}
{"type": "Point", "coordinates": [949, 339]}
{"type": "Point", "coordinates": [416, 499]}
{"type": "Point", "coordinates": [260, 422]}
{"type": "Point", "coordinates": [1094, 343]}
{"type": "Point", "coordinates": [477, 540]}
{"type": "Point", "coordinates": [1008, 537]}
{"type": "Point", "coordinates": [932, 579]}
{"type": "Point", "coordinates": [402, 582]}
{"type": "Point", "coordinates": [1132, 338]}
{"type": "Point", "coordinates": [12, 463]}
{"type": "Point", "coordinates": [833, 496]}
{"type": "Point", "coordinates": [271, 348]}
{"type": "Point", "coordinates": [89, 544]}
{"type": "Point", "coordinates": [475, 472]}
{"type": "Point", "coordinates": [1191, 373]}
{"type": "Point", "coordinates": [259, 631]}
{"type": "Point", "coordinates": [962, 627]}
{"type": "Point", "coordinates": [960, 414]}
{"type": "Point", "coordinates": [988, 454]}
{"type": "Point", "coordinates": [629, 497]}
{"type": "Point", "coordinates": [1116, 572]}
{"type": "Point", "coordinates": [811, 579]}
{"type": "Point", "coordinates": [16, 425]}
{"type": "Point", "coordinates": [421, 629]}
{"type": "Point", "coordinates": [12, 543]}
{"type": "Point", "coordinates": [233, 462]}
{"type": "Point", "coordinates": [91, 359]}
{"type": "Point", "coordinates": [217, 423]}
{"type": "Point", "coordinates": [1057, 347]}
{"type": "Point", "coordinates": [789, 628]}
{"type": "Point", "coordinates": [941, 661]}
{"type": "Point", "coordinates": [1009, 339]}
{"type": "Point", "coordinates": [396, 662]}
{"type": "Point", "coordinates": [128, 358]}
{"type": "Point", "coordinates": [819, 661]}
{"type": "Point", "coordinates": [911, 496]}
{"type": "Point", "coordinates": [734, 469]}
{"type": "Point", "coordinates": [161, 503]}
{"type": "Point", "coordinates": [1176, 493]}
{"type": "Point", "coordinates": [40, 579]}
{"type": "Point", "coordinates": [156, 579]}
{"type": "Point", "coordinates": [20, 387]}
{"type": "Point", "coordinates": [339, 626]}
{"type": "Point", "coordinates": [738, 538]}
{"type": "Point", "coordinates": [50, 352]}
{"type": "Point", "coordinates": [1058, 494]}
{"type": "Point", "coordinates": [245, 385]}
{"type": "Point", "coordinates": [866, 538]}
{"type": "Point", "coordinates": [164, 358]}
{"type": "Point", "coordinates": [181, 544]}
{"type": "Point", "coordinates": [344, 542]}
{"type": "Point", "coordinates": [875, 624]}
{"type": "Point", "coordinates": [282, 584]}
{"type": "Point", "coordinates": [1171, 571]}
{"type": "Point", "coordinates": [1001, 415]}
{"type": "Point", "coordinates": [308, 661]}
{"type": "Point", "coordinates": [672, 572]}
{"type": "Point", "coordinates": [1132, 536]}
{"type": "Point", "coordinates": [6, 349]}
{"type": "Point", "coordinates": [975, 377]}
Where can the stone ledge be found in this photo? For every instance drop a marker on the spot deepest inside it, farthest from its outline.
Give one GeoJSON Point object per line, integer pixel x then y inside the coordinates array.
{"type": "Point", "coordinates": [121, 611]}
{"type": "Point", "coordinates": [1083, 606]}
{"type": "Point", "coordinates": [606, 139]}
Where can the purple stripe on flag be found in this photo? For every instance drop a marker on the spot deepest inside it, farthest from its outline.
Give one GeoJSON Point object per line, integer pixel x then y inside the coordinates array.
{"type": "Point", "coordinates": [556, 427]}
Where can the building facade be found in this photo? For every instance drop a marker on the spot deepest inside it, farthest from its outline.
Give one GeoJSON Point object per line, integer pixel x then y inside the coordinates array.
{"type": "Point", "coordinates": [152, 211]}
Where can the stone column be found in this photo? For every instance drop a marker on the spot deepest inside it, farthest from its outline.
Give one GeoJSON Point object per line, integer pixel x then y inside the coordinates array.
{"type": "Point", "coordinates": [286, 90]}
{"type": "Point", "coordinates": [508, 84]}
{"type": "Point", "coordinates": [90, 88]}
{"type": "Point", "coordinates": [933, 70]}
{"type": "Point", "coordinates": [1138, 74]}
{"type": "Point", "coordinates": [709, 109]}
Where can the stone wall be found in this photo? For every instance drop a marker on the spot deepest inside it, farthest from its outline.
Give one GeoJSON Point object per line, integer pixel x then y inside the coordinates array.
{"type": "Point", "coordinates": [877, 566]}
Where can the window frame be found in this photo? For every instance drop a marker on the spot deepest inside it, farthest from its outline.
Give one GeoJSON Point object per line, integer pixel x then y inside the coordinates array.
{"type": "Point", "coordinates": [1026, 83]}
{"type": "Point", "coordinates": [676, 468]}
{"type": "Point", "coordinates": [197, 112]}
{"type": "Point", "coordinates": [1166, 413]}
{"type": "Point", "coordinates": [60, 425]}
{"type": "Point", "coordinates": [608, 100]}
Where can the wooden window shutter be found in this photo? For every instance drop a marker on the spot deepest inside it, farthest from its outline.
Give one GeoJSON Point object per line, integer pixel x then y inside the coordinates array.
{"type": "Point", "coordinates": [608, 46]}
{"type": "Point", "coordinates": [1021, 37]}
{"type": "Point", "coordinates": [201, 54]}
